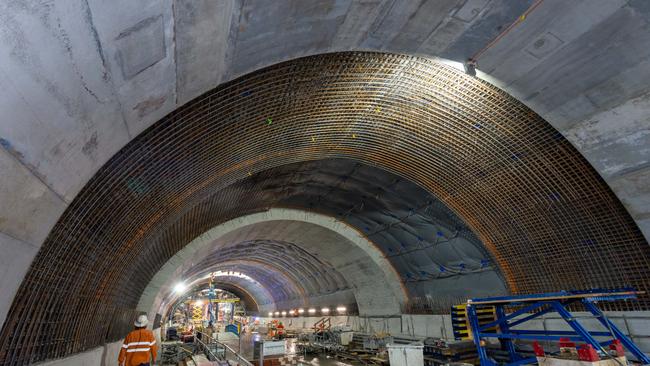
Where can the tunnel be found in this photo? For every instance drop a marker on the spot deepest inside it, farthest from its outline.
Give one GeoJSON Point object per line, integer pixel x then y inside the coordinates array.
{"type": "Point", "coordinates": [314, 154]}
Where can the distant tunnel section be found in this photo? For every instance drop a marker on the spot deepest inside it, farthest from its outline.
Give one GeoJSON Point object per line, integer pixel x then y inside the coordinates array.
{"type": "Point", "coordinates": [297, 258]}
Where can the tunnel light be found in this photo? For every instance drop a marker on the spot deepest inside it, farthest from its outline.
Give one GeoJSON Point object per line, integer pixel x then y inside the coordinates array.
{"type": "Point", "coordinates": [198, 303]}
{"type": "Point", "coordinates": [270, 314]}
{"type": "Point", "coordinates": [232, 274]}
{"type": "Point", "coordinates": [292, 312]}
{"type": "Point", "coordinates": [312, 311]}
{"type": "Point", "coordinates": [277, 313]}
{"type": "Point", "coordinates": [325, 310]}
{"type": "Point", "coordinates": [300, 311]}
{"type": "Point", "coordinates": [341, 309]}
{"type": "Point", "coordinates": [180, 288]}
{"type": "Point", "coordinates": [284, 313]}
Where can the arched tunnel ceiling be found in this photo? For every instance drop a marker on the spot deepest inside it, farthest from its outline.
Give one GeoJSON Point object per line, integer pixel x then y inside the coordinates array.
{"type": "Point", "coordinates": [74, 63]}
{"type": "Point", "coordinates": [277, 259]}
{"type": "Point", "coordinates": [297, 263]}
{"type": "Point", "coordinates": [433, 251]}
{"type": "Point", "coordinates": [530, 197]}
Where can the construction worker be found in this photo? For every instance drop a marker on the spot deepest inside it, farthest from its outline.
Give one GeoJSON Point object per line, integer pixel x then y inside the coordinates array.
{"type": "Point", "coordinates": [138, 345]}
{"type": "Point", "coordinates": [280, 332]}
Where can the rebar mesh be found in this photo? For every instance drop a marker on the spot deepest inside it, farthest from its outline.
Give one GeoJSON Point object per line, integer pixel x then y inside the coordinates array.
{"type": "Point", "coordinates": [541, 210]}
{"type": "Point", "coordinates": [304, 271]}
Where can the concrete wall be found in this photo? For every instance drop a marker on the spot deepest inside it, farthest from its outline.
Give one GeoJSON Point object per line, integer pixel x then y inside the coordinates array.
{"type": "Point", "coordinates": [106, 355]}
{"type": "Point", "coordinates": [101, 356]}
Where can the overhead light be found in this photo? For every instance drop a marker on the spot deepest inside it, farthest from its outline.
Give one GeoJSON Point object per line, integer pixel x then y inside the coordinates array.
{"type": "Point", "coordinates": [341, 309]}
{"type": "Point", "coordinates": [300, 311]}
{"type": "Point", "coordinates": [291, 312]}
{"type": "Point", "coordinates": [232, 274]}
{"type": "Point", "coordinates": [277, 313]}
{"type": "Point", "coordinates": [270, 313]}
{"type": "Point", "coordinates": [312, 311]}
{"type": "Point", "coordinates": [470, 67]}
{"type": "Point", "coordinates": [198, 303]}
{"type": "Point", "coordinates": [325, 310]}
{"type": "Point", "coordinates": [284, 313]}
{"type": "Point", "coordinates": [180, 288]}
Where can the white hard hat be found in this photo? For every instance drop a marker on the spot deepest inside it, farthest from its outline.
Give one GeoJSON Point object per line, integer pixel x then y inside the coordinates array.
{"type": "Point", "coordinates": [142, 321]}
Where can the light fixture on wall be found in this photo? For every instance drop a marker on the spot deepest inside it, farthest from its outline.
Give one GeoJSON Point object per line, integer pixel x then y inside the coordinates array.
{"type": "Point", "coordinates": [312, 311]}
{"type": "Point", "coordinates": [325, 310]}
{"type": "Point", "coordinates": [180, 287]}
{"type": "Point", "coordinates": [300, 311]}
{"type": "Point", "coordinates": [341, 309]}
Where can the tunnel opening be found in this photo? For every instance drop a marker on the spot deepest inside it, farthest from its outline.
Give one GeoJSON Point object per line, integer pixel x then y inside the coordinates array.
{"type": "Point", "coordinates": [209, 300]}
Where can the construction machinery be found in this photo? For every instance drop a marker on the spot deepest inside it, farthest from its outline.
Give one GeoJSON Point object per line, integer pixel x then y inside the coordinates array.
{"type": "Point", "coordinates": [598, 345]}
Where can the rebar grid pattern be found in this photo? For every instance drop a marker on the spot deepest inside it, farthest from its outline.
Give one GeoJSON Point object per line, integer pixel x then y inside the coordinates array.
{"type": "Point", "coordinates": [280, 259]}
{"type": "Point", "coordinates": [424, 241]}
{"type": "Point", "coordinates": [538, 206]}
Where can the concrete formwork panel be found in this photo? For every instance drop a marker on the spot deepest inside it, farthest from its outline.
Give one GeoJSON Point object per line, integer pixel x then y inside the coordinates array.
{"type": "Point", "coordinates": [137, 40]}
{"type": "Point", "coordinates": [15, 257]}
{"type": "Point", "coordinates": [582, 64]}
{"type": "Point", "coordinates": [545, 32]}
{"type": "Point", "coordinates": [204, 44]}
{"type": "Point", "coordinates": [357, 23]}
{"type": "Point", "coordinates": [105, 355]}
{"type": "Point", "coordinates": [60, 115]}
{"type": "Point", "coordinates": [616, 141]}
{"type": "Point", "coordinates": [29, 208]}
{"type": "Point", "coordinates": [269, 31]}
{"type": "Point", "coordinates": [461, 18]}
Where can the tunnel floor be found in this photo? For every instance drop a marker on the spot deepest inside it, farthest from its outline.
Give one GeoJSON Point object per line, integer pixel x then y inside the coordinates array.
{"type": "Point", "coordinates": [309, 359]}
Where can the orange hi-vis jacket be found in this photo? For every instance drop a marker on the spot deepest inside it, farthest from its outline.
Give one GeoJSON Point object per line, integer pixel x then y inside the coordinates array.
{"type": "Point", "coordinates": [137, 347]}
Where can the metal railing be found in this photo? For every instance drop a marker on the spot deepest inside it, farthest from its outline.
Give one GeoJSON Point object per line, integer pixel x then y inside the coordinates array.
{"type": "Point", "coordinates": [218, 351]}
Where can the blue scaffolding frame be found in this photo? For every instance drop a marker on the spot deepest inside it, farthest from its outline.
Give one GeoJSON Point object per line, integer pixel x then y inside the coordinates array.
{"type": "Point", "coordinates": [534, 306]}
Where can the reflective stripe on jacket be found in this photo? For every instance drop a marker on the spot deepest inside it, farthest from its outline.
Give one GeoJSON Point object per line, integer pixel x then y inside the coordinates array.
{"type": "Point", "coordinates": [138, 346]}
